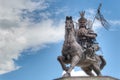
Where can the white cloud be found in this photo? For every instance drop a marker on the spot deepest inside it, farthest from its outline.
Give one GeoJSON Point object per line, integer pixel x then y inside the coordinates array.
{"type": "Point", "coordinates": [76, 73]}
{"type": "Point", "coordinates": [17, 35]}
{"type": "Point", "coordinates": [15, 40]}
{"type": "Point", "coordinates": [62, 10]}
{"type": "Point", "coordinates": [115, 22]}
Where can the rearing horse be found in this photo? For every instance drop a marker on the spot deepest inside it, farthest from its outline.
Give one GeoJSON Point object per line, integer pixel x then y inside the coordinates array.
{"type": "Point", "coordinates": [73, 54]}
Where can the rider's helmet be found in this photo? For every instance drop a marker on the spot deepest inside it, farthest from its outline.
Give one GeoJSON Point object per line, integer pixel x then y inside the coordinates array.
{"type": "Point", "coordinates": [82, 21]}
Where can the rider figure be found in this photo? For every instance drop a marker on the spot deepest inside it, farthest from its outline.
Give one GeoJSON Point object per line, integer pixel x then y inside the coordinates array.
{"type": "Point", "coordinates": [87, 37]}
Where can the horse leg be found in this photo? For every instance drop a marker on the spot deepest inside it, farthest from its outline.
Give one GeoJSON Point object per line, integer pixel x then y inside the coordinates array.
{"type": "Point", "coordinates": [87, 70]}
{"type": "Point", "coordinates": [61, 60]}
{"type": "Point", "coordinates": [103, 62]}
{"type": "Point", "coordinates": [96, 68]}
{"type": "Point", "coordinates": [74, 62]}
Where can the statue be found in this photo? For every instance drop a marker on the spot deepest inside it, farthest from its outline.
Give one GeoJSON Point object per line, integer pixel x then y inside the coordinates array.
{"type": "Point", "coordinates": [86, 38]}
{"type": "Point", "coordinates": [80, 46]}
{"type": "Point", "coordinates": [73, 54]}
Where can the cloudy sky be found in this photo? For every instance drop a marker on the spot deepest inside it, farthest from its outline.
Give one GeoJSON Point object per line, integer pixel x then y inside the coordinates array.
{"type": "Point", "coordinates": [32, 34]}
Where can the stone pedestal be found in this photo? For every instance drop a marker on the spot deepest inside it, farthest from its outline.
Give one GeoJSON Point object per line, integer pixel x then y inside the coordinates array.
{"type": "Point", "coordinates": [88, 78]}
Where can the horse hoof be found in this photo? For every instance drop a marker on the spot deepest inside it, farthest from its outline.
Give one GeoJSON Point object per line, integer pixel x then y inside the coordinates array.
{"type": "Point", "coordinates": [66, 75]}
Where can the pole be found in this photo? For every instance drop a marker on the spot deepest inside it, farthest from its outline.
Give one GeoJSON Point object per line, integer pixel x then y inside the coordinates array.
{"type": "Point", "coordinates": [98, 11]}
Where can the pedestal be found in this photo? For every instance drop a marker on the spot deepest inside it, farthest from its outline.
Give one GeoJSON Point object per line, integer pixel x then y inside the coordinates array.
{"type": "Point", "coordinates": [88, 78]}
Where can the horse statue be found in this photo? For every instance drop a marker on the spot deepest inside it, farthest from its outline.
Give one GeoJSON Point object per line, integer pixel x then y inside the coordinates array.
{"type": "Point", "coordinates": [73, 54]}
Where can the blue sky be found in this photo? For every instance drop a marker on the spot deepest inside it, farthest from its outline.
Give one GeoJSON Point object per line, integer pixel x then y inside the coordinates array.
{"type": "Point", "coordinates": [32, 34]}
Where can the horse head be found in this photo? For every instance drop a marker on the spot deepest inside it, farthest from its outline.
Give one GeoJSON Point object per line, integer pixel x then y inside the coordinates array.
{"type": "Point", "coordinates": [69, 23]}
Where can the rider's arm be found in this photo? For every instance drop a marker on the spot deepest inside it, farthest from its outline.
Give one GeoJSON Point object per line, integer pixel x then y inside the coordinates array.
{"type": "Point", "coordinates": [91, 35]}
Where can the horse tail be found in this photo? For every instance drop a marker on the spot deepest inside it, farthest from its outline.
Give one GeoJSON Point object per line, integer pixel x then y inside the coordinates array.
{"type": "Point", "coordinates": [103, 63]}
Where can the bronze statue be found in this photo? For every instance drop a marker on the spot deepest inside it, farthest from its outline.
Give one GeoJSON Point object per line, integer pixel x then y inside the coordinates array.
{"type": "Point", "coordinates": [80, 46]}
{"type": "Point", "coordinates": [73, 53]}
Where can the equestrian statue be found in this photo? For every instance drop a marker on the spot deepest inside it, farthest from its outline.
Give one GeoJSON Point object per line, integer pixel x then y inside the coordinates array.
{"type": "Point", "coordinates": [80, 46]}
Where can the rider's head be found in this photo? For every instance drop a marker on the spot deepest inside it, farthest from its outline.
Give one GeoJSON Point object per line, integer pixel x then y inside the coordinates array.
{"type": "Point", "coordinates": [82, 21]}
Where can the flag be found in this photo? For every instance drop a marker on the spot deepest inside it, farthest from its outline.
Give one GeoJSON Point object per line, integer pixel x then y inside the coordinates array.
{"type": "Point", "coordinates": [101, 18]}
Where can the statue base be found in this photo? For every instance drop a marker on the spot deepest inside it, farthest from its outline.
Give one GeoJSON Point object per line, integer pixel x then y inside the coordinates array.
{"type": "Point", "coordinates": [88, 78]}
